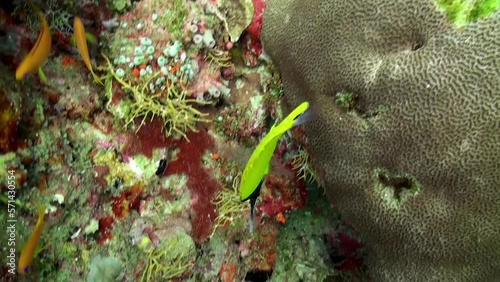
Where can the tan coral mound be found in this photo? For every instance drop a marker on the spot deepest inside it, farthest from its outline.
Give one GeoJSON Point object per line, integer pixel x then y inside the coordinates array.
{"type": "Point", "coordinates": [414, 160]}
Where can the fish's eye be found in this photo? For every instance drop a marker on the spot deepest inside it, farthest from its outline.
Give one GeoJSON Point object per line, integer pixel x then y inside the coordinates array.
{"type": "Point", "coordinates": [25, 269]}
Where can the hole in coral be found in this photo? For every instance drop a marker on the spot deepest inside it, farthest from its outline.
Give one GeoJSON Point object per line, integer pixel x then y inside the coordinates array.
{"type": "Point", "coordinates": [258, 276]}
{"type": "Point", "coordinates": [417, 45]}
{"type": "Point", "coordinates": [398, 183]}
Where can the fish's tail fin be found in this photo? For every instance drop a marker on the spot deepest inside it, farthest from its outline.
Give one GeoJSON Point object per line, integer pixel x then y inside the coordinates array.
{"type": "Point", "coordinates": [308, 115]}
{"type": "Point", "coordinates": [250, 225]}
{"type": "Point", "coordinates": [41, 212]}
{"type": "Point", "coordinates": [252, 208]}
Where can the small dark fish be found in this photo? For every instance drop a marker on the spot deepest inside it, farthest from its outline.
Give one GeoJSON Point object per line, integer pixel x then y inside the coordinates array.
{"type": "Point", "coordinates": [162, 167]}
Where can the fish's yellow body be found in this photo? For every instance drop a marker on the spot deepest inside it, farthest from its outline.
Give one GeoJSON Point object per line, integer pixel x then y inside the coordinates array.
{"type": "Point", "coordinates": [81, 44]}
{"type": "Point", "coordinates": [38, 53]}
{"type": "Point", "coordinates": [258, 165]}
{"type": "Point", "coordinates": [29, 249]}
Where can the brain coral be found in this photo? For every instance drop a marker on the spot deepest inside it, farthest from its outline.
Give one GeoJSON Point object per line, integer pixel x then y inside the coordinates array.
{"type": "Point", "coordinates": [413, 159]}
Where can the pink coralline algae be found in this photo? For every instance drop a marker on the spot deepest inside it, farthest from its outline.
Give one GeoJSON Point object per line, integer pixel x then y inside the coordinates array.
{"type": "Point", "coordinates": [282, 193]}
{"type": "Point", "coordinates": [255, 26]}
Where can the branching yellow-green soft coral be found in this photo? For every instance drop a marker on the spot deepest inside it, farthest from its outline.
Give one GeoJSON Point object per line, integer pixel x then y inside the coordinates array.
{"type": "Point", "coordinates": [220, 58]}
{"type": "Point", "coordinates": [229, 205]}
{"type": "Point", "coordinates": [176, 110]}
{"type": "Point", "coordinates": [302, 164]}
{"type": "Point", "coordinates": [171, 258]}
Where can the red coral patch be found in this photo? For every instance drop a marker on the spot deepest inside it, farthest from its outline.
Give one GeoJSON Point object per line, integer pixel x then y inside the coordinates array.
{"type": "Point", "coordinates": [105, 227]}
{"type": "Point", "coordinates": [129, 199]}
{"type": "Point", "coordinates": [200, 183]}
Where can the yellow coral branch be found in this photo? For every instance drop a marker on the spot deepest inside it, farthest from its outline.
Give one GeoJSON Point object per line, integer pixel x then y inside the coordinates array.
{"type": "Point", "coordinates": [229, 205]}
{"type": "Point", "coordinates": [302, 164]}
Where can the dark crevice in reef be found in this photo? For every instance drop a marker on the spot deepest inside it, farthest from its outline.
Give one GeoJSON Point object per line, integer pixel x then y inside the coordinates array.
{"type": "Point", "coordinates": [258, 276]}
{"type": "Point", "coordinates": [417, 45]}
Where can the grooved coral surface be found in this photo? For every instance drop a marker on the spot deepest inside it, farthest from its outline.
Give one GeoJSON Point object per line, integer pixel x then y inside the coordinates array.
{"type": "Point", "coordinates": [414, 162]}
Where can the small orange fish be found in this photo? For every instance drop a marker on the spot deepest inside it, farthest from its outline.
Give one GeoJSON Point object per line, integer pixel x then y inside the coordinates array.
{"type": "Point", "coordinates": [280, 218]}
{"type": "Point", "coordinates": [81, 44]}
{"type": "Point", "coordinates": [29, 249]}
{"type": "Point", "coordinates": [38, 53]}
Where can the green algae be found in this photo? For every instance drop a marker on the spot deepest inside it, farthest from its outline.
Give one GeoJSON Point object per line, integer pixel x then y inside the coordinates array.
{"type": "Point", "coordinates": [174, 18]}
{"type": "Point", "coordinates": [61, 152]}
{"type": "Point", "coordinates": [120, 5]}
{"type": "Point", "coordinates": [344, 100]}
{"type": "Point", "coordinates": [463, 12]}
{"type": "Point", "coordinates": [214, 253]}
{"type": "Point", "coordinates": [104, 269]}
{"type": "Point", "coordinates": [301, 250]}
{"type": "Point", "coordinates": [175, 185]}
{"type": "Point", "coordinates": [5, 159]}
{"type": "Point", "coordinates": [137, 168]}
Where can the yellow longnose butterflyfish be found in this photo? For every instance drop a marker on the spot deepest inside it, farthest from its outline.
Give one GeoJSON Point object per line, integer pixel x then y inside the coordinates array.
{"type": "Point", "coordinates": [81, 44]}
{"type": "Point", "coordinates": [29, 249]}
{"type": "Point", "coordinates": [258, 165]}
{"type": "Point", "coordinates": [38, 53]}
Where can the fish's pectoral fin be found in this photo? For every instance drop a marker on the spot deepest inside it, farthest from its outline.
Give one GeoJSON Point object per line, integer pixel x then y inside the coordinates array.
{"type": "Point", "coordinates": [92, 39]}
{"type": "Point", "coordinates": [42, 76]}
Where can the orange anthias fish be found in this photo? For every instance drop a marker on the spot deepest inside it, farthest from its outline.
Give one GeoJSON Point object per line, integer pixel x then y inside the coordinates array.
{"type": "Point", "coordinates": [38, 53]}
{"type": "Point", "coordinates": [81, 44]}
{"type": "Point", "coordinates": [29, 249]}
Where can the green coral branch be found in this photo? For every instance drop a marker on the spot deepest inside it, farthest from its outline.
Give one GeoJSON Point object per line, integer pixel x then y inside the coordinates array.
{"type": "Point", "coordinates": [176, 110]}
